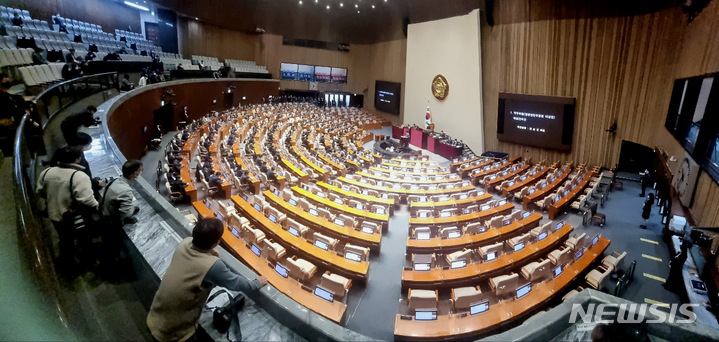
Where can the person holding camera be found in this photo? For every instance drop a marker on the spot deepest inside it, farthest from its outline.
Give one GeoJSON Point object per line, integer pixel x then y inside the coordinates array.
{"type": "Point", "coordinates": [194, 270]}
{"type": "Point", "coordinates": [67, 191]}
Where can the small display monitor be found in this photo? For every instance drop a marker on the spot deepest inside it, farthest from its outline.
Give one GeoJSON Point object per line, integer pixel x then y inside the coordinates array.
{"type": "Point", "coordinates": [208, 204]}
{"type": "Point", "coordinates": [421, 267]}
{"type": "Point", "coordinates": [314, 212]}
{"type": "Point", "coordinates": [276, 192]}
{"type": "Point", "coordinates": [490, 256]}
{"type": "Point", "coordinates": [566, 192]}
{"type": "Point", "coordinates": [478, 308]}
{"type": "Point", "coordinates": [531, 191]}
{"type": "Point", "coordinates": [235, 232]}
{"type": "Point", "coordinates": [256, 250]}
{"type": "Point", "coordinates": [542, 236]}
{"type": "Point", "coordinates": [445, 214]}
{"type": "Point", "coordinates": [339, 201]}
{"type": "Point", "coordinates": [484, 207]}
{"type": "Point", "coordinates": [425, 315]}
{"type": "Point", "coordinates": [526, 214]}
{"type": "Point", "coordinates": [518, 247]}
{"type": "Point", "coordinates": [281, 270]}
{"type": "Point", "coordinates": [493, 177]}
{"type": "Point", "coordinates": [244, 197]}
{"type": "Point", "coordinates": [324, 294]}
{"type": "Point", "coordinates": [423, 236]}
{"type": "Point", "coordinates": [524, 290]}
{"type": "Point", "coordinates": [339, 222]}
{"type": "Point", "coordinates": [359, 206]}
{"type": "Point", "coordinates": [458, 264]}
{"type": "Point", "coordinates": [367, 230]}
{"type": "Point", "coordinates": [551, 180]}
{"type": "Point", "coordinates": [379, 211]}
{"type": "Point", "coordinates": [353, 256]}
{"type": "Point", "coordinates": [556, 198]}
{"type": "Point", "coordinates": [579, 254]}
{"type": "Point", "coordinates": [523, 178]}
{"type": "Point", "coordinates": [345, 188]}
{"type": "Point", "coordinates": [506, 222]}
{"type": "Point", "coordinates": [463, 196]}
{"type": "Point", "coordinates": [422, 199]}
{"type": "Point", "coordinates": [385, 196]}
{"type": "Point", "coordinates": [220, 217]}
{"type": "Point", "coordinates": [510, 183]}
{"type": "Point", "coordinates": [558, 270]}
{"type": "Point", "coordinates": [559, 225]}
{"type": "Point", "coordinates": [294, 231]}
{"type": "Point", "coordinates": [293, 201]}
{"type": "Point", "coordinates": [414, 187]}
{"type": "Point", "coordinates": [322, 245]}
{"type": "Point", "coordinates": [595, 240]}
{"type": "Point", "coordinates": [504, 173]}
{"type": "Point", "coordinates": [273, 218]}
{"type": "Point", "coordinates": [258, 207]}
{"type": "Point", "coordinates": [423, 214]}
{"type": "Point", "coordinates": [481, 229]}
{"type": "Point", "coordinates": [453, 234]}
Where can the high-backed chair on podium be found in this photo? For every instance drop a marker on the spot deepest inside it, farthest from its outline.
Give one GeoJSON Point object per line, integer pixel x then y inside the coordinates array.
{"type": "Point", "coordinates": [336, 284]}
{"type": "Point", "coordinates": [537, 270]}
{"type": "Point", "coordinates": [301, 268]}
{"type": "Point", "coordinates": [464, 297]}
{"type": "Point", "coordinates": [422, 299]}
{"type": "Point", "coordinates": [504, 285]}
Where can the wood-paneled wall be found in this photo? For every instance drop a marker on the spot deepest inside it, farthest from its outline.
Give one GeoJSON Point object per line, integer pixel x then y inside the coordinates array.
{"type": "Point", "coordinates": [108, 14]}
{"type": "Point", "coordinates": [618, 68]}
{"type": "Point", "coordinates": [200, 38]}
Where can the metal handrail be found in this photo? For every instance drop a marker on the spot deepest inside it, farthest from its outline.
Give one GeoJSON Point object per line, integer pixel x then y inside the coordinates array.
{"type": "Point", "coordinates": [57, 86]}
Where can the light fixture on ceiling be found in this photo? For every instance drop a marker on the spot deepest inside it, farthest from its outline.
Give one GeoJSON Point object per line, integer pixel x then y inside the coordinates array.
{"type": "Point", "coordinates": [358, 12]}
{"type": "Point", "coordinates": [372, 6]}
{"type": "Point", "coordinates": [342, 5]}
{"type": "Point", "coordinates": [140, 7]}
{"type": "Point", "coordinates": [356, 5]}
{"type": "Point", "coordinates": [300, 2]}
{"type": "Point", "coordinates": [196, 18]}
{"type": "Point", "coordinates": [328, 6]}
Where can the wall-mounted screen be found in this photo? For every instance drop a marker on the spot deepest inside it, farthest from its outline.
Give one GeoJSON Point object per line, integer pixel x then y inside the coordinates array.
{"type": "Point", "coordinates": [306, 73]}
{"type": "Point", "coordinates": [339, 75]}
{"type": "Point", "coordinates": [288, 71]}
{"type": "Point", "coordinates": [322, 74]}
{"type": "Point", "coordinates": [533, 120]}
{"type": "Point", "coordinates": [387, 96]}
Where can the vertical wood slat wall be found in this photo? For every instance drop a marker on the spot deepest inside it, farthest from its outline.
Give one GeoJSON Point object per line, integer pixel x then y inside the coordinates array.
{"type": "Point", "coordinates": [618, 68]}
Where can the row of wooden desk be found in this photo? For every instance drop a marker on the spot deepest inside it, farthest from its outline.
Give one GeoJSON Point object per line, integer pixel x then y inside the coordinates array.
{"type": "Point", "coordinates": [359, 215]}
{"type": "Point", "coordinates": [527, 182]}
{"type": "Point", "coordinates": [557, 207]}
{"type": "Point", "coordinates": [477, 216]}
{"type": "Point", "coordinates": [465, 326]}
{"type": "Point", "coordinates": [459, 204]}
{"type": "Point", "coordinates": [540, 193]}
{"type": "Point", "coordinates": [476, 176]}
{"type": "Point", "coordinates": [405, 192]}
{"type": "Point", "coordinates": [474, 272]}
{"type": "Point", "coordinates": [438, 245]}
{"type": "Point", "coordinates": [510, 174]}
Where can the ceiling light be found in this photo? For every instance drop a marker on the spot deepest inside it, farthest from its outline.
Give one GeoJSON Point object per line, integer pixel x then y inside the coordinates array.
{"type": "Point", "coordinates": [132, 4]}
{"type": "Point", "coordinates": [196, 18]}
{"type": "Point", "coordinates": [342, 5]}
{"type": "Point", "coordinates": [357, 11]}
{"type": "Point", "coordinates": [372, 6]}
{"type": "Point", "coordinates": [356, 5]}
{"type": "Point", "coordinates": [328, 6]}
{"type": "Point", "coordinates": [300, 2]}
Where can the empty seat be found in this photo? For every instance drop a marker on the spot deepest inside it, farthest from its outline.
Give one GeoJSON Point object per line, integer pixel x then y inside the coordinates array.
{"type": "Point", "coordinates": [363, 252]}
{"type": "Point", "coordinates": [421, 232]}
{"type": "Point", "coordinates": [561, 256]}
{"type": "Point", "coordinates": [279, 217]}
{"type": "Point", "coordinates": [495, 222]}
{"type": "Point", "coordinates": [255, 235]}
{"type": "Point", "coordinates": [544, 228]}
{"type": "Point", "coordinates": [450, 232]}
{"type": "Point", "coordinates": [597, 277]}
{"type": "Point", "coordinates": [464, 297]}
{"type": "Point", "coordinates": [520, 239]}
{"type": "Point", "coordinates": [331, 242]}
{"type": "Point", "coordinates": [336, 284]}
{"type": "Point", "coordinates": [422, 299]}
{"type": "Point", "coordinates": [459, 255]}
{"type": "Point", "coordinates": [368, 227]}
{"type": "Point", "coordinates": [275, 251]}
{"type": "Point", "coordinates": [536, 270]}
{"type": "Point", "coordinates": [301, 268]}
{"type": "Point", "coordinates": [475, 228]}
{"type": "Point", "coordinates": [615, 261]}
{"type": "Point", "coordinates": [576, 242]}
{"type": "Point", "coordinates": [504, 285]}
{"type": "Point", "coordinates": [572, 293]}
{"type": "Point", "coordinates": [493, 248]}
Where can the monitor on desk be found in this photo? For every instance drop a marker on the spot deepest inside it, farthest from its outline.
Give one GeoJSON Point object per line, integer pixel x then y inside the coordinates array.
{"type": "Point", "coordinates": [208, 204]}
{"type": "Point", "coordinates": [579, 254]}
{"type": "Point", "coordinates": [425, 315]}
{"type": "Point", "coordinates": [506, 222]}
{"type": "Point", "coordinates": [445, 214]}
{"type": "Point", "coordinates": [314, 212]}
{"type": "Point", "coordinates": [465, 211]}
{"type": "Point", "coordinates": [345, 187]}
{"type": "Point", "coordinates": [463, 196]}
{"type": "Point", "coordinates": [321, 194]}
{"type": "Point", "coordinates": [365, 192]}
{"type": "Point", "coordinates": [542, 236]}
{"type": "Point", "coordinates": [220, 217]}
{"type": "Point", "coordinates": [524, 290]}
{"type": "Point", "coordinates": [324, 294]}
{"type": "Point", "coordinates": [379, 211]}
{"type": "Point", "coordinates": [493, 177]}
{"type": "Point", "coordinates": [322, 245]}
{"type": "Point", "coordinates": [422, 199]}
{"type": "Point", "coordinates": [258, 207]}
{"type": "Point", "coordinates": [235, 231]}
{"type": "Point", "coordinates": [353, 256]}
{"type": "Point", "coordinates": [526, 214]}
{"type": "Point", "coordinates": [339, 222]}
{"type": "Point", "coordinates": [478, 308]}
{"type": "Point", "coordinates": [454, 234]}
{"type": "Point", "coordinates": [421, 267]}
{"type": "Point", "coordinates": [256, 250]}
{"type": "Point", "coordinates": [551, 180]}
{"type": "Point", "coordinates": [531, 191]}
{"type": "Point", "coordinates": [273, 218]}
{"type": "Point", "coordinates": [559, 225]}
{"type": "Point", "coordinates": [359, 206]}
{"type": "Point", "coordinates": [595, 240]}
{"type": "Point", "coordinates": [523, 178]}
{"type": "Point", "coordinates": [565, 193]}
{"type": "Point", "coordinates": [339, 201]}
{"type": "Point", "coordinates": [385, 196]}
{"type": "Point", "coordinates": [423, 236]}
{"type": "Point", "coordinates": [490, 256]}
{"type": "Point", "coordinates": [558, 270]}
{"type": "Point", "coordinates": [423, 214]}
{"type": "Point", "coordinates": [294, 231]}
{"type": "Point", "coordinates": [244, 197]}
{"type": "Point", "coordinates": [293, 202]}
{"type": "Point", "coordinates": [281, 270]}
{"type": "Point", "coordinates": [276, 192]}
{"type": "Point", "coordinates": [432, 187]}
{"type": "Point", "coordinates": [556, 198]}
{"type": "Point", "coordinates": [396, 186]}
{"type": "Point", "coordinates": [458, 264]}
{"type": "Point", "coordinates": [367, 230]}
{"type": "Point", "coordinates": [414, 187]}
{"type": "Point", "coordinates": [510, 183]}
{"type": "Point", "coordinates": [518, 247]}
{"type": "Point", "coordinates": [501, 203]}
{"type": "Point", "coordinates": [484, 207]}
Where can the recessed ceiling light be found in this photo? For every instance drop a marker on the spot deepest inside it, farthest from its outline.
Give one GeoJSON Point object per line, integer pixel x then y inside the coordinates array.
{"type": "Point", "coordinates": [300, 2]}
{"type": "Point", "coordinates": [372, 6]}
{"type": "Point", "coordinates": [356, 5]}
{"type": "Point", "coordinates": [342, 5]}
{"type": "Point", "coordinates": [196, 18]}
{"type": "Point", "coordinates": [328, 6]}
{"type": "Point", "coordinates": [357, 11]}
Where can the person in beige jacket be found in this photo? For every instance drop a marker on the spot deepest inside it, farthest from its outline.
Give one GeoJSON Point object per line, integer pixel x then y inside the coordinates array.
{"type": "Point", "coordinates": [54, 186]}
{"type": "Point", "coordinates": [194, 270]}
